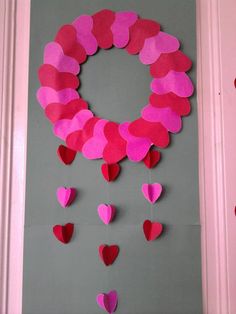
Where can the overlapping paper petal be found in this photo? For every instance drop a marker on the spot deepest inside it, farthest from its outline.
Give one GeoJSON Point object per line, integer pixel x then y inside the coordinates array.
{"type": "Point", "coordinates": [75, 123]}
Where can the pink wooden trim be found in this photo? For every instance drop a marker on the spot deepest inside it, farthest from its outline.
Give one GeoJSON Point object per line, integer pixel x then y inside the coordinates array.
{"type": "Point", "coordinates": [14, 51]}
{"type": "Point", "coordinates": [217, 152]}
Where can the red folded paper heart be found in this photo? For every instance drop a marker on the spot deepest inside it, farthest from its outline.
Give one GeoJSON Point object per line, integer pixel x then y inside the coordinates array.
{"type": "Point", "coordinates": [57, 111]}
{"type": "Point", "coordinates": [51, 77]}
{"type": "Point", "coordinates": [64, 233]}
{"type": "Point", "coordinates": [108, 253]}
{"type": "Point", "coordinates": [65, 154]}
{"type": "Point", "coordinates": [152, 230]}
{"type": "Point", "coordinates": [152, 158]}
{"type": "Point", "coordinates": [110, 171]}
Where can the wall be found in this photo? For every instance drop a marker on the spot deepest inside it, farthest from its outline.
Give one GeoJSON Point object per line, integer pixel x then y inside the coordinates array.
{"type": "Point", "coordinates": [159, 277]}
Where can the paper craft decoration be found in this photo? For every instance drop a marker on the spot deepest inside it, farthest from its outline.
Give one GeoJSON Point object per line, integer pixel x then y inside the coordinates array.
{"type": "Point", "coordinates": [152, 230]}
{"type": "Point", "coordinates": [108, 253]}
{"type": "Point", "coordinates": [110, 171]}
{"type": "Point", "coordinates": [64, 233]}
{"type": "Point", "coordinates": [108, 301]}
{"type": "Point", "coordinates": [106, 213]}
{"type": "Point", "coordinates": [151, 191]}
{"type": "Point", "coordinates": [75, 123]}
{"type": "Point", "coordinates": [152, 158]}
{"type": "Point", "coordinates": [65, 154]}
{"type": "Point", "coordinates": [66, 196]}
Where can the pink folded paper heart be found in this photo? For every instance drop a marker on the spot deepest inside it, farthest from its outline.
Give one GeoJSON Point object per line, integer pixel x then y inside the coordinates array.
{"type": "Point", "coordinates": [154, 46]}
{"type": "Point", "coordinates": [176, 82]}
{"type": "Point", "coordinates": [108, 301]}
{"type": "Point", "coordinates": [168, 118]}
{"type": "Point", "coordinates": [137, 147]}
{"type": "Point", "coordinates": [93, 148]}
{"type": "Point", "coordinates": [54, 55]}
{"type": "Point", "coordinates": [47, 95]}
{"type": "Point", "coordinates": [120, 27]}
{"type": "Point", "coordinates": [152, 191]}
{"type": "Point", "coordinates": [65, 196]}
{"type": "Point", "coordinates": [106, 213]}
{"type": "Point", "coordinates": [84, 25]}
{"type": "Point", "coordinates": [62, 128]}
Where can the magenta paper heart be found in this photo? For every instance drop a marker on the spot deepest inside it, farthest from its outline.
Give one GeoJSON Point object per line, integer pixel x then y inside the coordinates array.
{"type": "Point", "coordinates": [168, 118]}
{"type": "Point", "coordinates": [93, 148]}
{"type": "Point", "coordinates": [176, 82]}
{"type": "Point", "coordinates": [108, 301]}
{"type": "Point", "coordinates": [47, 95]}
{"type": "Point", "coordinates": [62, 128]}
{"type": "Point", "coordinates": [152, 191]}
{"type": "Point", "coordinates": [136, 147]}
{"type": "Point", "coordinates": [120, 27]}
{"type": "Point", "coordinates": [54, 55]}
{"type": "Point", "coordinates": [84, 25]}
{"type": "Point", "coordinates": [65, 196]}
{"type": "Point", "coordinates": [106, 213]}
{"type": "Point", "coordinates": [154, 46]}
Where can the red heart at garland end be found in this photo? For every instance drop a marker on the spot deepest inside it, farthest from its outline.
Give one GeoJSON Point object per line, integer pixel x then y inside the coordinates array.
{"type": "Point", "coordinates": [152, 230]}
{"type": "Point", "coordinates": [152, 158]}
{"type": "Point", "coordinates": [108, 253]}
{"type": "Point", "coordinates": [64, 233]}
{"type": "Point", "coordinates": [110, 171]}
{"type": "Point", "coordinates": [65, 154]}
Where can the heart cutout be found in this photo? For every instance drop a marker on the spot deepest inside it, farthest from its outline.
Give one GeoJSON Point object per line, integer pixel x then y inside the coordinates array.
{"type": "Point", "coordinates": [108, 301]}
{"type": "Point", "coordinates": [110, 171]}
{"type": "Point", "coordinates": [65, 154]}
{"type": "Point", "coordinates": [152, 191]}
{"type": "Point", "coordinates": [152, 229]}
{"type": "Point", "coordinates": [64, 233]}
{"type": "Point", "coordinates": [66, 196]}
{"type": "Point", "coordinates": [106, 213]}
{"type": "Point", "coordinates": [108, 253]}
{"type": "Point", "coordinates": [152, 158]}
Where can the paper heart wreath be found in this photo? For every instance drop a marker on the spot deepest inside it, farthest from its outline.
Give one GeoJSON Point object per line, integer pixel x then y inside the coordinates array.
{"type": "Point", "coordinates": [96, 137]}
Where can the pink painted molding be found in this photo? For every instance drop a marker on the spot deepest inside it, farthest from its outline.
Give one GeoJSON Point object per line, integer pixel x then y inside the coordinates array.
{"type": "Point", "coordinates": [14, 51]}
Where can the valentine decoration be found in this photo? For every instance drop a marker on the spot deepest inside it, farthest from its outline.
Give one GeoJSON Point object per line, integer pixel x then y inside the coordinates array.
{"type": "Point", "coordinates": [152, 158]}
{"type": "Point", "coordinates": [108, 301]}
{"type": "Point", "coordinates": [151, 191]}
{"type": "Point", "coordinates": [66, 196]}
{"type": "Point", "coordinates": [64, 233]}
{"type": "Point", "coordinates": [110, 171]}
{"type": "Point", "coordinates": [65, 154]}
{"type": "Point", "coordinates": [152, 229]}
{"type": "Point", "coordinates": [108, 253]}
{"type": "Point", "coordinates": [106, 213]}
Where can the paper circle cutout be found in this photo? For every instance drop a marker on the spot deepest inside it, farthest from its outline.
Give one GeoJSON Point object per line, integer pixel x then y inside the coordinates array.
{"type": "Point", "coordinates": [75, 123]}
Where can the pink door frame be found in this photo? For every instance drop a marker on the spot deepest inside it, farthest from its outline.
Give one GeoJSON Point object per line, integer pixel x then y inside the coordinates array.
{"type": "Point", "coordinates": [216, 46]}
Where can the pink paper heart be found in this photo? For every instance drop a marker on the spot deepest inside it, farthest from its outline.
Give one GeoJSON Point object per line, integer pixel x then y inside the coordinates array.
{"type": "Point", "coordinates": [120, 27]}
{"type": "Point", "coordinates": [54, 55]}
{"type": "Point", "coordinates": [154, 46]}
{"type": "Point", "coordinates": [176, 82]}
{"type": "Point", "coordinates": [62, 128]}
{"type": "Point", "coordinates": [168, 118]}
{"type": "Point", "coordinates": [152, 191]}
{"type": "Point", "coordinates": [137, 147]}
{"type": "Point", "coordinates": [108, 301]}
{"type": "Point", "coordinates": [47, 95]}
{"type": "Point", "coordinates": [106, 213]}
{"type": "Point", "coordinates": [84, 26]}
{"type": "Point", "coordinates": [94, 146]}
{"type": "Point", "coordinates": [65, 196]}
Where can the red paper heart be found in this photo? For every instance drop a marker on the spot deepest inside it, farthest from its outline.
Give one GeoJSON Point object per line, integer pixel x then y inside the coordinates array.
{"type": "Point", "coordinates": [141, 30]}
{"type": "Point", "coordinates": [152, 158]}
{"type": "Point", "coordinates": [102, 22]}
{"type": "Point", "coordinates": [64, 233]}
{"type": "Point", "coordinates": [178, 104]}
{"type": "Point", "coordinates": [65, 154]}
{"type": "Point", "coordinates": [108, 253]}
{"type": "Point", "coordinates": [57, 111]}
{"type": "Point", "coordinates": [67, 38]}
{"type": "Point", "coordinates": [110, 171]}
{"type": "Point", "coordinates": [152, 230]}
{"type": "Point", "coordinates": [176, 61]}
{"type": "Point", "coordinates": [51, 77]}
